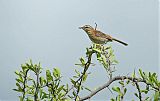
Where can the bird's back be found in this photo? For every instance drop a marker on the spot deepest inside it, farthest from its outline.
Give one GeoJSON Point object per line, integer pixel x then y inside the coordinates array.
{"type": "Point", "coordinates": [99, 37]}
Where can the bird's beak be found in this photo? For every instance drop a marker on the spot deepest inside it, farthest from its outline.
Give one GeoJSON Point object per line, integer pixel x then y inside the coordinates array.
{"type": "Point", "coordinates": [80, 27]}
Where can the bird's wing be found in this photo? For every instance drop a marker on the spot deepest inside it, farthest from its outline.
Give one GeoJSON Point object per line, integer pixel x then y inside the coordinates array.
{"type": "Point", "coordinates": [101, 34]}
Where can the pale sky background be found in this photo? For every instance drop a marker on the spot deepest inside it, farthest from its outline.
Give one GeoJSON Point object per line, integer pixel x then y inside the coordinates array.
{"type": "Point", "coordinates": [47, 31]}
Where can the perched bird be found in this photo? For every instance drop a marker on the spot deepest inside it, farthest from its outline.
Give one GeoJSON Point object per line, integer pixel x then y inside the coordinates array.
{"type": "Point", "coordinates": [99, 37]}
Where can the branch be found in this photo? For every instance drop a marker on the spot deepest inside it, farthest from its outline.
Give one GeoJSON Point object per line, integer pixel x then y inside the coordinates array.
{"type": "Point", "coordinates": [37, 86]}
{"type": "Point", "coordinates": [116, 78]}
{"type": "Point", "coordinates": [87, 64]}
{"type": "Point", "coordinates": [140, 96]}
{"type": "Point", "coordinates": [24, 84]}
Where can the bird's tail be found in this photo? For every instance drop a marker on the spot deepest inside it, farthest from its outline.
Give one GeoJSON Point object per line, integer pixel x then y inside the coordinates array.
{"type": "Point", "coordinates": [120, 41]}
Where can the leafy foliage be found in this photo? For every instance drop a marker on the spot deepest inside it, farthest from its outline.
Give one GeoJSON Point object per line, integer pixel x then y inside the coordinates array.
{"type": "Point", "coordinates": [39, 88]}
{"type": "Point", "coordinates": [33, 86]}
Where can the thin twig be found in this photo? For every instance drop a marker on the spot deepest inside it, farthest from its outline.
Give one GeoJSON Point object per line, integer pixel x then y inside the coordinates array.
{"type": "Point", "coordinates": [83, 73]}
{"type": "Point", "coordinates": [139, 91]}
{"type": "Point", "coordinates": [24, 84]}
{"type": "Point", "coordinates": [116, 78]}
{"type": "Point", "coordinates": [37, 85]}
{"type": "Point", "coordinates": [95, 26]}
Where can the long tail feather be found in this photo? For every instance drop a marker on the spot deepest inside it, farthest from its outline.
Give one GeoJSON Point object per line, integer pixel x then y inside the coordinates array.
{"type": "Point", "coordinates": [120, 41]}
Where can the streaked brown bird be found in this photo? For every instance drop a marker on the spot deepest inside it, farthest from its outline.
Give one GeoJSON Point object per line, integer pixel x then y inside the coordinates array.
{"type": "Point", "coordinates": [99, 37]}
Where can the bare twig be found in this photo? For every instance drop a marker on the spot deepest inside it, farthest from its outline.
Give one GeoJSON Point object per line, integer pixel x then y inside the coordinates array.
{"type": "Point", "coordinates": [95, 26]}
{"type": "Point", "coordinates": [116, 78]}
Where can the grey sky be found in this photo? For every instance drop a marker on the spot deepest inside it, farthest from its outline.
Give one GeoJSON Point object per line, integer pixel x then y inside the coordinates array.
{"type": "Point", "coordinates": [47, 31]}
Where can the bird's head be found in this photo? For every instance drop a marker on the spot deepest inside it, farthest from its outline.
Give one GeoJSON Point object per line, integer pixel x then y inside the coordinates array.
{"type": "Point", "coordinates": [86, 28]}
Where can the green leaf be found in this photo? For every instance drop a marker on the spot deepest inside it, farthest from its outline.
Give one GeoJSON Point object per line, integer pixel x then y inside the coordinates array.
{"type": "Point", "coordinates": [34, 83]}
{"type": "Point", "coordinates": [110, 51]}
{"type": "Point", "coordinates": [150, 78]}
{"type": "Point", "coordinates": [136, 95]}
{"type": "Point", "coordinates": [89, 51]}
{"type": "Point", "coordinates": [16, 72]}
{"type": "Point", "coordinates": [115, 61]}
{"type": "Point", "coordinates": [97, 50]}
{"type": "Point", "coordinates": [73, 82]}
{"type": "Point", "coordinates": [147, 87]}
{"type": "Point", "coordinates": [98, 56]}
{"type": "Point", "coordinates": [133, 83]}
{"type": "Point", "coordinates": [67, 86]}
{"type": "Point", "coordinates": [19, 80]}
{"type": "Point", "coordinates": [157, 96]}
{"type": "Point", "coordinates": [56, 72]}
{"type": "Point", "coordinates": [113, 99]}
{"type": "Point", "coordinates": [141, 74]}
{"type": "Point", "coordinates": [48, 76]}
{"type": "Point", "coordinates": [144, 91]}
{"type": "Point", "coordinates": [88, 89]}
{"type": "Point", "coordinates": [125, 90]}
{"type": "Point", "coordinates": [84, 77]}
{"type": "Point", "coordinates": [145, 76]}
{"type": "Point", "coordinates": [70, 96]}
{"type": "Point", "coordinates": [40, 92]}
{"type": "Point", "coordinates": [112, 57]}
{"type": "Point", "coordinates": [146, 99]}
{"type": "Point", "coordinates": [75, 77]}
{"type": "Point", "coordinates": [155, 81]}
{"type": "Point", "coordinates": [117, 89]}
{"type": "Point", "coordinates": [29, 99]}
{"type": "Point", "coordinates": [67, 99]}
{"type": "Point", "coordinates": [154, 75]}
{"type": "Point", "coordinates": [18, 85]}
{"type": "Point", "coordinates": [20, 98]}
{"type": "Point", "coordinates": [150, 74]}
{"type": "Point", "coordinates": [17, 90]}
{"type": "Point", "coordinates": [74, 93]}
{"type": "Point", "coordinates": [134, 74]}
{"type": "Point", "coordinates": [118, 98]}
{"type": "Point", "coordinates": [24, 67]}
{"type": "Point", "coordinates": [121, 82]}
{"type": "Point", "coordinates": [44, 95]}
{"type": "Point", "coordinates": [82, 60]}
{"type": "Point", "coordinates": [60, 88]}
{"type": "Point", "coordinates": [42, 80]}
{"type": "Point", "coordinates": [128, 81]}
{"type": "Point", "coordinates": [77, 72]}
{"type": "Point", "coordinates": [104, 60]}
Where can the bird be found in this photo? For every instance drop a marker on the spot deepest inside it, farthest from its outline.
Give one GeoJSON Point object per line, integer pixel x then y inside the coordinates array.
{"type": "Point", "coordinates": [99, 37]}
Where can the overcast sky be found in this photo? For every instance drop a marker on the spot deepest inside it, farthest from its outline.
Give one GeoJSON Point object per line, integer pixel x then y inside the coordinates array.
{"type": "Point", "coordinates": [47, 31]}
